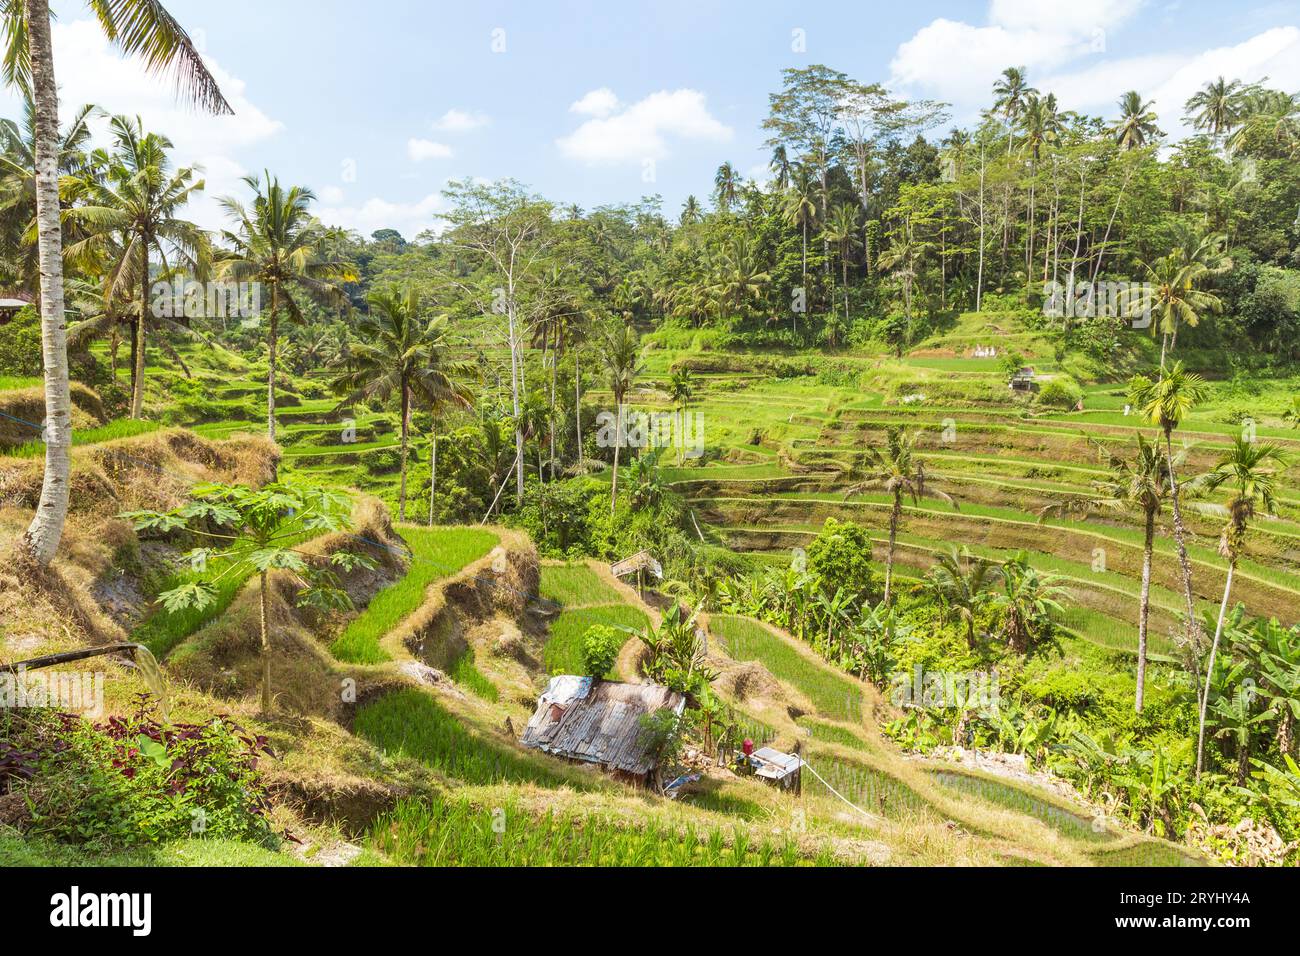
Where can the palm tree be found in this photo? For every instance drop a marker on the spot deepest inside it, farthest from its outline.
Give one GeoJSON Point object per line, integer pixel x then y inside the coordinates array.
{"type": "Point", "coordinates": [1269, 118]}
{"type": "Point", "coordinates": [621, 356]}
{"type": "Point", "coordinates": [1010, 94]}
{"type": "Point", "coordinates": [843, 231]}
{"type": "Point", "coordinates": [1136, 126]}
{"type": "Point", "coordinates": [781, 166]}
{"type": "Point", "coordinates": [1172, 298]}
{"type": "Point", "coordinates": [961, 583]}
{"type": "Point", "coordinates": [1217, 108]}
{"type": "Point", "coordinates": [690, 211]}
{"type": "Point", "coordinates": [681, 388]}
{"type": "Point", "coordinates": [739, 276]}
{"type": "Point", "coordinates": [18, 180]}
{"type": "Point", "coordinates": [1251, 471]}
{"type": "Point", "coordinates": [799, 206]}
{"type": "Point", "coordinates": [398, 351]}
{"type": "Point", "coordinates": [1166, 402]}
{"type": "Point", "coordinates": [141, 27]}
{"type": "Point", "coordinates": [1028, 600]}
{"type": "Point", "coordinates": [726, 182]}
{"type": "Point", "coordinates": [280, 245]}
{"type": "Point", "coordinates": [1140, 484]}
{"type": "Point", "coordinates": [899, 471]}
{"type": "Point", "coordinates": [133, 211]}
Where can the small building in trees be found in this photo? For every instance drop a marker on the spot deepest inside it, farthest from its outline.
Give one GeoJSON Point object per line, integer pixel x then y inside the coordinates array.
{"type": "Point", "coordinates": [1024, 380]}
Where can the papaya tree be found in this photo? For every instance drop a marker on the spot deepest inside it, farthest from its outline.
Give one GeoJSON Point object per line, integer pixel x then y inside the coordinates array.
{"type": "Point", "coordinates": [241, 530]}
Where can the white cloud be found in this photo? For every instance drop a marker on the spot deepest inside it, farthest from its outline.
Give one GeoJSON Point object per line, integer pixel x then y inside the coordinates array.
{"type": "Point", "coordinates": [958, 61]}
{"type": "Point", "coordinates": [597, 103]}
{"type": "Point", "coordinates": [330, 195]}
{"type": "Point", "coordinates": [1063, 44]}
{"type": "Point", "coordinates": [409, 219]}
{"type": "Point", "coordinates": [90, 71]}
{"type": "Point", "coordinates": [460, 121]}
{"type": "Point", "coordinates": [421, 149]}
{"type": "Point", "coordinates": [641, 131]}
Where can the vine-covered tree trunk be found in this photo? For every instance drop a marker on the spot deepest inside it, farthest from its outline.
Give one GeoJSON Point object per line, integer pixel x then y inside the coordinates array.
{"type": "Point", "coordinates": [406, 431]}
{"type": "Point", "coordinates": [41, 539]}
{"type": "Point", "coordinates": [141, 332]}
{"type": "Point", "coordinates": [266, 648]}
{"type": "Point", "coordinates": [271, 342]}
{"type": "Point", "coordinates": [1209, 670]}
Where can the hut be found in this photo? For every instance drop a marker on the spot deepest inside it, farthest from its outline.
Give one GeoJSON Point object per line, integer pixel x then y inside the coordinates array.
{"type": "Point", "coordinates": [600, 722]}
{"type": "Point", "coordinates": [1024, 380]}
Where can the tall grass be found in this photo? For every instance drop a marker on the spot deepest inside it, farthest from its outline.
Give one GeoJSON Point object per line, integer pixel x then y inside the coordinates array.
{"type": "Point", "coordinates": [866, 787]}
{"type": "Point", "coordinates": [435, 553]}
{"type": "Point", "coordinates": [464, 672]}
{"type": "Point", "coordinates": [410, 723]}
{"type": "Point", "coordinates": [458, 833]}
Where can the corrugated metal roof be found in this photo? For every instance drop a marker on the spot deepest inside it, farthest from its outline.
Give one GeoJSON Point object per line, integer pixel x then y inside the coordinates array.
{"type": "Point", "coordinates": [598, 722]}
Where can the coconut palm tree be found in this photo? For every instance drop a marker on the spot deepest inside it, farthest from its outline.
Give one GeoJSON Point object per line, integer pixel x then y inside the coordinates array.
{"type": "Point", "coordinates": [1270, 118]}
{"type": "Point", "coordinates": [1028, 599]}
{"type": "Point", "coordinates": [898, 471]}
{"type": "Point", "coordinates": [1166, 402]}
{"type": "Point", "coordinates": [1217, 108]}
{"type": "Point", "coordinates": [133, 212]}
{"type": "Point", "coordinates": [1141, 484]}
{"type": "Point", "coordinates": [621, 356]}
{"type": "Point", "coordinates": [781, 166]}
{"type": "Point", "coordinates": [18, 180]}
{"type": "Point", "coordinates": [278, 244]}
{"type": "Point", "coordinates": [842, 230]}
{"type": "Point", "coordinates": [726, 183]}
{"type": "Point", "coordinates": [1136, 126]}
{"type": "Point", "coordinates": [399, 351]}
{"type": "Point", "coordinates": [1011, 93]}
{"type": "Point", "coordinates": [1251, 471]}
{"type": "Point", "coordinates": [137, 27]}
{"type": "Point", "coordinates": [962, 584]}
{"type": "Point", "coordinates": [1171, 297]}
{"type": "Point", "coordinates": [690, 211]}
{"type": "Point", "coordinates": [799, 206]}
{"type": "Point", "coordinates": [681, 388]}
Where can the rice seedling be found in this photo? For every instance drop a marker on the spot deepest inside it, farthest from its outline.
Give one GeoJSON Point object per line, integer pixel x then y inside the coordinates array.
{"type": "Point", "coordinates": [410, 723]}
{"type": "Point", "coordinates": [1057, 817]}
{"type": "Point", "coordinates": [435, 553]}
{"type": "Point", "coordinates": [465, 673]}
{"type": "Point", "coordinates": [122, 428]}
{"type": "Point", "coordinates": [575, 584]}
{"type": "Point", "coordinates": [459, 833]}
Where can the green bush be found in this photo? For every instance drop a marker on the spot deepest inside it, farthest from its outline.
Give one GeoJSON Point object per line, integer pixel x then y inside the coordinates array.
{"type": "Point", "coordinates": [20, 344]}
{"type": "Point", "coordinates": [132, 781]}
{"type": "Point", "coordinates": [600, 647]}
{"type": "Point", "coordinates": [1060, 392]}
{"type": "Point", "coordinates": [840, 556]}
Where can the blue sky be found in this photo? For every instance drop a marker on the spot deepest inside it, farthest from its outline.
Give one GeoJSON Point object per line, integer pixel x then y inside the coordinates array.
{"type": "Point", "coordinates": [376, 107]}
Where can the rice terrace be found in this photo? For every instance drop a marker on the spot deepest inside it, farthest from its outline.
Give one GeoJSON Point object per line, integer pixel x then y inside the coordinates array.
{"type": "Point", "coordinates": [824, 462]}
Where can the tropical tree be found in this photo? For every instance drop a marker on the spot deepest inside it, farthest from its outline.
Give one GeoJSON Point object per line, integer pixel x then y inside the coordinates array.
{"type": "Point", "coordinates": [1251, 472]}
{"type": "Point", "coordinates": [136, 27]}
{"type": "Point", "coordinates": [842, 231]}
{"type": "Point", "coordinates": [799, 206]}
{"type": "Point", "coordinates": [962, 583]}
{"type": "Point", "coordinates": [1166, 402]}
{"type": "Point", "coordinates": [400, 351]}
{"type": "Point", "coordinates": [1217, 108]}
{"type": "Point", "coordinates": [1136, 126]}
{"type": "Point", "coordinates": [681, 388]}
{"type": "Point", "coordinates": [246, 528]}
{"type": "Point", "coordinates": [1028, 600]}
{"type": "Point", "coordinates": [621, 356]}
{"type": "Point", "coordinates": [1011, 92]}
{"type": "Point", "coordinates": [1141, 484]}
{"type": "Point", "coordinates": [132, 213]}
{"type": "Point", "coordinates": [278, 244]}
{"type": "Point", "coordinates": [726, 182]}
{"type": "Point", "coordinates": [898, 471]}
{"type": "Point", "coordinates": [1171, 297]}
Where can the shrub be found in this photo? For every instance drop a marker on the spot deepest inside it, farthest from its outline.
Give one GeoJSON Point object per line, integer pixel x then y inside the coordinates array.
{"type": "Point", "coordinates": [134, 780]}
{"type": "Point", "coordinates": [840, 556]}
{"type": "Point", "coordinates": [1060, 392]}
{"type": "Point", "coordinates": [20, 344]}
{"type": "Point", "coordinates": [600, 647]}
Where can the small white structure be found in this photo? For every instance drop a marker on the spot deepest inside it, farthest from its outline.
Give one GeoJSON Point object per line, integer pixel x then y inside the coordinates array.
{"type": "Point", "coordinates": [778, 768]}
